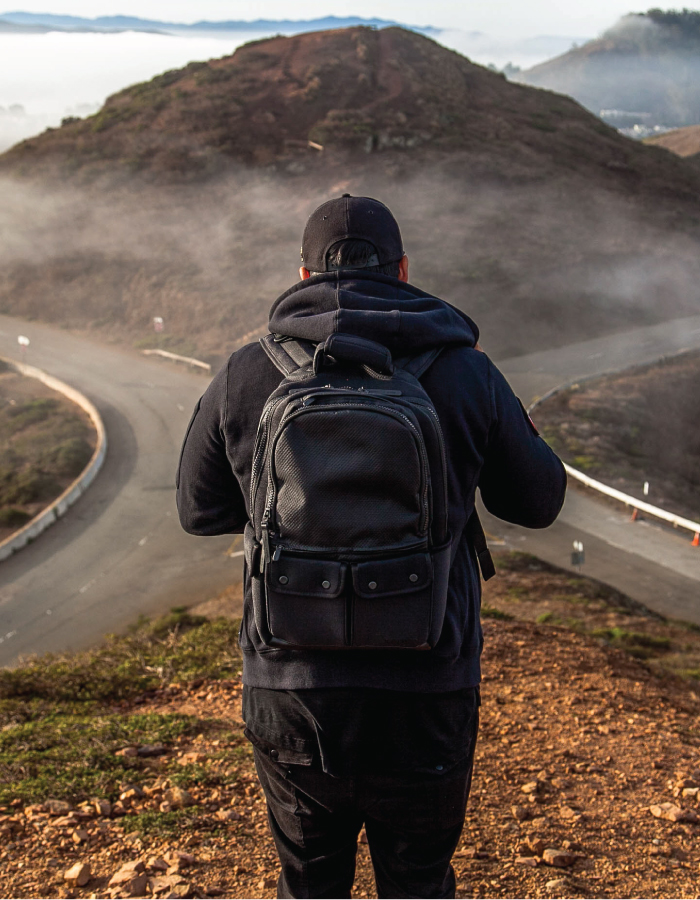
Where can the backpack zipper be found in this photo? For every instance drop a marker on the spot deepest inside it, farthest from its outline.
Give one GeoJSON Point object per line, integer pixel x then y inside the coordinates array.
{"type": "Point", "coordinates": [260, 445]}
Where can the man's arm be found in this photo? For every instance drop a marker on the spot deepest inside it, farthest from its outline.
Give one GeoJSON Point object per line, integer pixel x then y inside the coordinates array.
{"type": "Point", "coordinates": [522, 480]}
{"type": "Point", "coordinates": [209, 497]}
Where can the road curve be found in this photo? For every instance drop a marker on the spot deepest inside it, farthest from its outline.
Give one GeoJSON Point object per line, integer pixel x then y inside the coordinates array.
{"type": "Point", "coordinates": [120, 552]}
{"type": "Point", "coordinates": [648, 561]}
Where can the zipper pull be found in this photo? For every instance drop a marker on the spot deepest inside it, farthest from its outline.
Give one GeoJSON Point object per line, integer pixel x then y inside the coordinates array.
{"type": "Point", "coordinates": [265, 555]}
{"type": "Point", "coordinates": [276, 555]}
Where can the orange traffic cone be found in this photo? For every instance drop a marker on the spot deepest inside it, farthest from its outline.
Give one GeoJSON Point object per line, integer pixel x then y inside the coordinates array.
{"type": "Point", "coordinates": [696, 540]}
{"type": "Point", "coordinates": [635, 515]}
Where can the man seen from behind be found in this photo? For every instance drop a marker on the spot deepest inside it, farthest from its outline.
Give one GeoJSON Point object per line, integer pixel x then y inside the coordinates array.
{"type": "Point", "coordinates": [348, 446]}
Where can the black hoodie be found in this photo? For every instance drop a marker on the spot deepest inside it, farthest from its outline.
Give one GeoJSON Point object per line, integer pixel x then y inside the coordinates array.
{"type": "Point", "coordinates": [489, 441]}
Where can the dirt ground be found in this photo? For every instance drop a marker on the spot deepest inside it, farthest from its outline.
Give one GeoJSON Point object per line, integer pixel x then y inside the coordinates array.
{"type": "Point", "coordinates": [582, 748]}
{"type": "Point", "coordinates": [642, 425]}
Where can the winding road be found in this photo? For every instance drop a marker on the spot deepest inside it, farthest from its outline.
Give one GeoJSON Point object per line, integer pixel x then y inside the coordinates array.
{"type": "Point", "coordinates": [120, 553]}
{"type": "Point", "coordinates": [648, 561]}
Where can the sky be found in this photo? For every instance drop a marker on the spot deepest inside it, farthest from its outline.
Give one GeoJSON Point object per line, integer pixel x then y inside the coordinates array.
{"type": "Point", "coordinates": [504, 18]}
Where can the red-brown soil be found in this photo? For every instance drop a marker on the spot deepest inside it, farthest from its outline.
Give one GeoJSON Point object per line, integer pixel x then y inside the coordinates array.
{"type": "Point", "coordinates": [356, 91]}
{"type": "Point", "coordinates": [578, 741]}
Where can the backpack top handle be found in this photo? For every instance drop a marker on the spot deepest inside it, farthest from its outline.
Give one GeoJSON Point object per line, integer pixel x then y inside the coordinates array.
{"type": "Point", "coordinates": [353, 349]}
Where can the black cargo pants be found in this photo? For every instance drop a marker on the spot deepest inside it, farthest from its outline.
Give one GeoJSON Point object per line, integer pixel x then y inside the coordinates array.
{"type": "Point", "coordinates": [413, 821]}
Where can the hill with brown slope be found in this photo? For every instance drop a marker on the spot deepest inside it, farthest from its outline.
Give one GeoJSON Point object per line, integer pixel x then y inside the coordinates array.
{"type": "Point", "coordinates": [185, 197]}
{"type": "Point", "coordinates": [610, 428]}
{"type": "Point", "coordinates": [355, 91]}
{"type": "Point", "coordinates": [647, 63]}
{"type": "Point", "coordinates": [681, 141]}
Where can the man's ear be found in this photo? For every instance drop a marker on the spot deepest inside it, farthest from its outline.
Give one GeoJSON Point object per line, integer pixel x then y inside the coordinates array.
{"type": "Point", "coordinates": [403, 268]}
{"type": "Point", "coordinates": [304, 273]}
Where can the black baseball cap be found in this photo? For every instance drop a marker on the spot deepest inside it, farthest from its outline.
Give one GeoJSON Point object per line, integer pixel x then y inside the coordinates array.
{"type": "Point", "coordinates": [361, 218]}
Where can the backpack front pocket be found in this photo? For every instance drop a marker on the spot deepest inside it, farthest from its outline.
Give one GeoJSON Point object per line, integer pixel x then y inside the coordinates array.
{"type": "Point", "coordinates": [392, 602]}
{"type": "Point", "coordinates": [305, 602]}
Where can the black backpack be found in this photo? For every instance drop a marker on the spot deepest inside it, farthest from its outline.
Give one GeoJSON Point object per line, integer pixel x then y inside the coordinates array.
{"type": "Point", "coordinates": [348, 546]}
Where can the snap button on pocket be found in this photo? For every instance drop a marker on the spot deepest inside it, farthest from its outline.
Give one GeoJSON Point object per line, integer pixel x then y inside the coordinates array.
{"type": "Point", "coordinates": [274, 754]}
{"type": "Point", "coordinates": [283, 579]}
{"type": "Point", "coordinates": [372, 585]}
{"type": "Point", "coordinates": [325, 584]}
{"type": "Point", "coordinates": [413, 578]}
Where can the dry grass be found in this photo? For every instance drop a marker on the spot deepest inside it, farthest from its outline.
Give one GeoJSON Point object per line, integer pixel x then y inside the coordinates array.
{"type": "Point", "coordinates": [45, 443]}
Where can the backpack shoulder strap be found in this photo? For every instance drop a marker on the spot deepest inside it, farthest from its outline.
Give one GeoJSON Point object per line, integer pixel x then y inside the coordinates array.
{"type": "Point", "coordinates": [418, 365]}
{"type": "Point", "coordinates": [288, 355]}
{"type": "Point", "coordinates": [475, 533]}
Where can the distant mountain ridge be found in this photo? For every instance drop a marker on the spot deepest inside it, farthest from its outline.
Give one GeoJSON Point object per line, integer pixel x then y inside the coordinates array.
{"type": "Point", "coordinates": [647, 63]}
{"type": "Point", "coordinates": [134, 23]}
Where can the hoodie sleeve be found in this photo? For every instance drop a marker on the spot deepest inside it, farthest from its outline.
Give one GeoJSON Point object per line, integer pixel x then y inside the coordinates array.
{"type": "Point", "coordinates": [522, 481]}
{"type": "Point", "coordinates": [209, 497]}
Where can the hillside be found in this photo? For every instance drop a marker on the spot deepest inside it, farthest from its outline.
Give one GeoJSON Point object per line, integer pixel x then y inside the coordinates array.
{"type": "Point", "coordinates": [130, 758]}
{"type": "Point", "coordinates": [185, 197]}
{"type": "Point", "coordinates": [609, 428]}
{"type": "Point", "coordinates": [45, 443]}
{"type": "Point", "coordinates": [358, 91]}
{"type": "Point", "coordinates": [681, 141]}
{"type": "Point", "coordinates": [646, 67]}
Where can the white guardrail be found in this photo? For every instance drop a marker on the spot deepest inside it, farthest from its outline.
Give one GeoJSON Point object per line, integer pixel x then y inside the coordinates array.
{"type": "Point", "coordinates": [59, 506]}
{"type": "Point", "coordinates": [641, 505]}
{"type": "Point", "coordinates": [627, 499]}
{"type": "Point", "coordinates": [191, 361]}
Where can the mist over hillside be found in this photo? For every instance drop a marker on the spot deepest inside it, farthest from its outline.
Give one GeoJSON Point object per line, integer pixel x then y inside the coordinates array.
{"type": "Point", "coordinates": [185, 197]}
{"type": "Point", "coordinates": [645, 70]}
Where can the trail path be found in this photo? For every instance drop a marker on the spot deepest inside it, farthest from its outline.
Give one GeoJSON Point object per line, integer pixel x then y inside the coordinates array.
{"type": "Point", "coordinates": [120, 551]}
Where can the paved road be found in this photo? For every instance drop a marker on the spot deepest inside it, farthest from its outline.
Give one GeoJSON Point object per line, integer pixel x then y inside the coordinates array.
{"type": "Point", "coordinates": [653, 564]}
{"type": "Point", "coordinates": [119, 552]}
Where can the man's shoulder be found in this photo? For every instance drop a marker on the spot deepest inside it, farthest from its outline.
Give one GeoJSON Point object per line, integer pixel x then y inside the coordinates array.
{"type": "Point", "coordinates": [458, 362]}
{"type": "Point", "coordinates": [249, 368]}
{"type": "Point", "coordinates": [251, 354]}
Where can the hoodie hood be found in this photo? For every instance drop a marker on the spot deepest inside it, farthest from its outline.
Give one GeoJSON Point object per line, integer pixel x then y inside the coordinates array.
{"type": "Point", "coordinates": [377, 307]}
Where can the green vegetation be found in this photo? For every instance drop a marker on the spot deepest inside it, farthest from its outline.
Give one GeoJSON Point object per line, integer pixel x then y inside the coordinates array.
{"type": "Point", "coordinates": [148, 97]}
{"type": "Point", "coordinates": [60, 723]}
{"type": "Point", "coordinates": [492, 612]}
{"type": "Point", "coordinates": [584, 462]}
{"type": "Point", "coordinates": [45, 443]}
{"type": "Point", "coordinates": [530, 590]}
{"type": "Point", "coordinates": [159, 823]}
{"type": "Point", "coordinates": [12, 517]}
{"type": "Point", "coordinates": [685, 22]}
{"type": "Point", "coordinates": [636, 643]}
